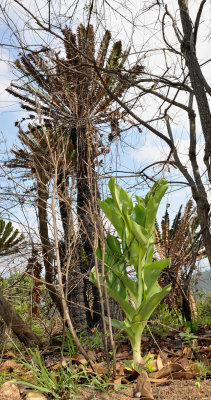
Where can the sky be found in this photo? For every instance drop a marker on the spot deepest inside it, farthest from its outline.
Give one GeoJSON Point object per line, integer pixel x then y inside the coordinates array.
{"type": "Point", "coordinates": [144, 147]}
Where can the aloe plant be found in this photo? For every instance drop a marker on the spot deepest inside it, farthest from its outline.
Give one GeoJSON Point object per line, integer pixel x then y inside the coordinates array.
{"type": "Point", "coordinates": [138, 294]}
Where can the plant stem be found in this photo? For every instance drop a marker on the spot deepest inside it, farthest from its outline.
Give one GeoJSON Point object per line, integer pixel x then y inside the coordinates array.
{"type": "Point", "coordinates": [136, 347]}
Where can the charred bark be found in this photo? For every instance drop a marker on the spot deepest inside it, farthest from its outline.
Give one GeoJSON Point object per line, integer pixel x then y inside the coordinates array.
{"type": "Point", "coordinates": [87, 212]}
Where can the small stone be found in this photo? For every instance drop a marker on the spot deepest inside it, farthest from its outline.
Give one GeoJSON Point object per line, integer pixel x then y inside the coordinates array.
{"type": "Point", "coordinates": [138, 394]}
{"type": "Point", "coordinates": [35, 396]}
{"type": "Point", "coordinates": [9, 391]}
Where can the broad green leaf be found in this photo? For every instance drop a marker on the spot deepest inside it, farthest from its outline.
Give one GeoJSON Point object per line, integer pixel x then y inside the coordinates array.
{"type": "Point", "coordinates": [114, 245]}
{"type": "Point", "coordinates": [151, 273]}
{"type": "Point", "coordinates": [113, 214]}
{"type": "Point", "coordinates": [113, 257]}
{"type": "Point", "coordinates": [130, 247]}
{"type": "Point", "coordinates": [117, 324]}
{"type": "Point", "coordinates": [139, 214]}
{"type": "Point", "coordinates": [148, 306]}
{"type": "Point", "coordinates": [115, 289]}
{"type": "Point", "coordinates": [130, 285]}
{"type": "Point", "coordinates": [140, 201]}
{"type": "Point", "coordinates": [150, 252]}
{"type": "Point", "coordinates": [140, 234]}
{"type": "Point", "coordinates": [153, 200]}
{"type": "Point", "coordinates": [121, 198]}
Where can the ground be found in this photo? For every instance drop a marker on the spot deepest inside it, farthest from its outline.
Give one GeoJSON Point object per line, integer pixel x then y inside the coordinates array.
{"type": "Point", "coordinates": [172, 390]}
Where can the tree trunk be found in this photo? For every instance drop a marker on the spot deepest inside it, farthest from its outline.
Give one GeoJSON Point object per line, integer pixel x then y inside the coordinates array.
{"type": "Point", "coordinates": [46, 246]}
{"type": "Point", "coordinates": [15, 322]}
{"type": "Point", "coordinates": [88, 213]}
{"type": "Point", "coordinates": [199, 87]}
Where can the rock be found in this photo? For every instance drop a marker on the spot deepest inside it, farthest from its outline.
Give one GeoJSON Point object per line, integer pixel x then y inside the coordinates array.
{"type": "Point", "coordinates": [10, 365]}
{"type": "Point", "coordinates": [35, 396]}
{"type": "Point", "coordinates": [9, 391]}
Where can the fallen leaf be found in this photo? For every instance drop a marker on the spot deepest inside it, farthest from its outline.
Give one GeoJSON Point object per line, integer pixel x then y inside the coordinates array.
{"type": "Point", "coordinates": [79, 359]}
{"type": "Point", "coordinates": [123, 355]}
{"type": "Point", "coordinates": [143, 388]}
{"type": "Point", "coordinates": [159, 362]}
{"type": "Point", "coordinates": [158, 380]}
{"type": "Point", "coordinates": [119, 368]}
{"type": "Point", "coordinates": [168, 370]}
{"type": "Point", "coordinates": [117, 381]}
{"type": "Point", "coordinates": [183, 375]}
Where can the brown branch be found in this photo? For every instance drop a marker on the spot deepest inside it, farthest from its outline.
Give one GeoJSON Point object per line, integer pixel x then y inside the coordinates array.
{"type": "Point", "coordinates": [196, 27]}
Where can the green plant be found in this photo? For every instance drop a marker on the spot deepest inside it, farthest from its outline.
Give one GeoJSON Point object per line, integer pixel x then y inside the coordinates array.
{"type": "Point", "coordinates": [204, 309]}
{"type": "Point", "coordinates": [187, 336]}
{"type": "Point", "coordinates": [63, 381]}
{"type": "Point", "coordinates": [9, 239]}
{"type": "Point", "coordinates": [68, 343]}
{"type": "Point", "coordinates": [137, 294]}
{"type": "Point", "coordinates": [202, 369]}
{"type": "Point", "coordinates": [198, 382]}
{"type": "Point", "coordinates": [94, 341]}
{"type": "Point", "coordinates": [165, 318]}
{"type": "Point", "coordinates": [3, 377]}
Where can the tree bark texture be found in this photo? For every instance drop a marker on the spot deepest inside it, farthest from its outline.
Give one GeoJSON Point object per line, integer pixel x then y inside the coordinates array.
{"type": "Point", "coordinates": [15, 322]}
{"type": "Point", "coordinates": [44, 236]}
{"type": "Point", "coordinates": [87, 212]}
{"type": "Point", "coordinates": [197, 82]}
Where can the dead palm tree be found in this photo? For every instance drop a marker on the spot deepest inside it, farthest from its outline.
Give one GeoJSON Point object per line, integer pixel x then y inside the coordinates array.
{"type": "Point", "coordinates": [69, 91]}
{"type": "Point", "coordinates": [39, 144]}
{"type": "Point", "coordinates": [181, 242]}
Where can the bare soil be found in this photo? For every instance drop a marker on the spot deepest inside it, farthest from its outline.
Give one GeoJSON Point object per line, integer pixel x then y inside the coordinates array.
{"type": "Point", "coordinates": [172, 390]}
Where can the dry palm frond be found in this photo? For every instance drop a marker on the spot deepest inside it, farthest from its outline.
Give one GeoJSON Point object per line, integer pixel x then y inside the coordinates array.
{"type": "Point", "coordinates": [68, 89]}
{"type": "Point", "coordinates": [100, 60]}
{"type": "Point", "coordinates": [183, 245]}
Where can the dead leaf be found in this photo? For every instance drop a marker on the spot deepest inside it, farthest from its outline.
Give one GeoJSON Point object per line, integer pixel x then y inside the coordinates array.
{"type": "Point", "coordinates": [183, 375]}
{"type": "Point", "coordinates": [158, 380]}
{"type": "Point", "coordinates": [79, 359]}
{"type": "Point", "coordinates": [144, 340]}
{"type": "Point", "coordinates": [119, 368]}
{"type": "Point", "coordinates": [168, 370]}
{"type": "Point", "coordinates": [101, 368]}
{"type": "Point", "coordinates": [131, 375]}
{"type": "Point", "coordinates": [117, 381]}
{"type": "Point", "coordinates": [91, 354]}
{"type": "Point", "coordinates": [204, 349]}
{"type": "Point", "coordinates": [159, 362]}
{"type": "Point", "coordinates": [124, 355]}
{"type": "Point", "coordinates": [143, 388]}
{"type": "Point", "coordinates": [125, 381]}
{"type": "Point", "coordinates": [62, 364]}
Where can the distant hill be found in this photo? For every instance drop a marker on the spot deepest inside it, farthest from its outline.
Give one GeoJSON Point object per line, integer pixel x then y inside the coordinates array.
{"type": "Point", "coordinates": [203, 281]}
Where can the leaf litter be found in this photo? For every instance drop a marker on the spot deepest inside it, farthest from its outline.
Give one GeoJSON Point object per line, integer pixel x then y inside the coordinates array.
{"type": "Point", "coordinates": [173, 371]}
